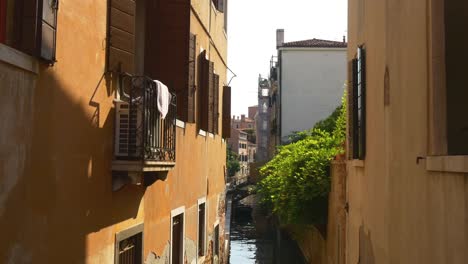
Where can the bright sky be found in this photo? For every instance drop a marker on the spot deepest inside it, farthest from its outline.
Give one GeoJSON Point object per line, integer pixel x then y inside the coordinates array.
{"type": "Point", "coordinates": [252, 37]}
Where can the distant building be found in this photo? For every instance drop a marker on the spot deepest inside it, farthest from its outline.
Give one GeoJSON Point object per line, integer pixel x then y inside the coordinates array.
{"type": "Point", "coordinates": [310, 75]}
{"type": "Point", "coordinates": [242, 122]}
{"type": "Point", "coordinates": [238, 143]}
{"type": "Point", "coordinates": [263, 123]}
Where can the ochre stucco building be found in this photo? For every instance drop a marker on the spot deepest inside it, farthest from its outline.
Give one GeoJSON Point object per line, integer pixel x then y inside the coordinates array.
{"type": "Point", "coordinates": [407, 171]}
{"type": "Point", "coordinates": [65, 195]}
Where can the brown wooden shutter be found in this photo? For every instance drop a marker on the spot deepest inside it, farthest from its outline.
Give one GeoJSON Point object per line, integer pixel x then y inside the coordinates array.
{"type": "Point", "coordinates": [167, 47]}
{"type": "Point", "coordinates": [210, 97]}
{"type": "Point", "coordinates": [191, 83]}
{"type": "Point", "coordinates": [121, 53]}
{"type": "Point", "coordinates": [48, 30]}
{"type": "Point", "coordinates": [26, 18]}
{"type": "Point", "coordinates": [216, 104]}
{"type": "Point", "coordinates": [226, 112]}
{"type": "Point", "coordinates": [2, 21]}
{"type": "Point", "coordinates": [203, 91]}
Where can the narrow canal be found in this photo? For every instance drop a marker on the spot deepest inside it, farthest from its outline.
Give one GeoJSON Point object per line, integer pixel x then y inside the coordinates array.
{"type": "Point", "coordinates": [254, 239]}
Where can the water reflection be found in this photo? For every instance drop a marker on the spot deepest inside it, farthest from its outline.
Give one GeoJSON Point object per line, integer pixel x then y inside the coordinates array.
{"type": "Point", "coordinates": [254, 239]}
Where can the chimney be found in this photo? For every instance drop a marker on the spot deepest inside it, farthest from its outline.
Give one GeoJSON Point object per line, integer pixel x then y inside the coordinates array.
{"type": "Point", "coordinates": [242, 118]}
{"type": "Point", "coordinates": [344, 39]}
{"type": "Point", "coordinates": [279, 37]}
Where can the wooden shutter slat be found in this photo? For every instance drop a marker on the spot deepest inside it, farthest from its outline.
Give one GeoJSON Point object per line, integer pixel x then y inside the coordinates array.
{"type": "Point", "coordinates": [216, 104]}
{"type": "Point", "coordinates": [121, 52]}
{"type": "Point", "coordinates": [226, 112]}
{"type": "Point", "coordinates": [191, 83]}
{"type": "Point", "coordinates": [210, 97]}
{"type": "Point", "coordinates": [203, 91]}
{"type": "Point", "coordinates": [126, 6]}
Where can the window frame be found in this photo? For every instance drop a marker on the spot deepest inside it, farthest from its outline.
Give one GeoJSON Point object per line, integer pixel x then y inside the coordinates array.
{"type": "Point", "coordinates": [201, 201]}
{"type": "Point", "coordinates": [439, 158]}
{"type": "Point", "coordinates": [174, 213]}
{"type": "Point", "coordinates": [125, 234]}
{"type": "Point", "coordinates": [358, 105]}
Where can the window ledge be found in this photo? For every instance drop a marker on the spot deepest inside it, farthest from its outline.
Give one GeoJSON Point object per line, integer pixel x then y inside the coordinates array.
{"type": "Point", "coordinates": [180, 123]}
{"type": "Point", "coordinates": [447, 163]}
{"type": "Point", "coordinates": [18, 59]}
{"type": "Point", "coordinates": [202, 133]}
{"type": "Point", "coordinates": [357, 163]}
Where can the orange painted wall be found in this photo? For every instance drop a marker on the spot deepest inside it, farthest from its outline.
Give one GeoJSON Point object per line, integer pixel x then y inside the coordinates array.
{"type": "Point", "coordinates": [56, 202]}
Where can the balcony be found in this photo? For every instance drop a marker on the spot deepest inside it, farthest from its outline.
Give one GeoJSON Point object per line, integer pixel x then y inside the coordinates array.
{"type": "Point", "coordinates": [144, 142]}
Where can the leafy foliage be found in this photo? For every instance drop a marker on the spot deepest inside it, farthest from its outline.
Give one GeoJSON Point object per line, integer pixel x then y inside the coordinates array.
{"type": "Point", "coordinates": [232, 162]}
{"type": "Point", "coordinates": [296, 182]}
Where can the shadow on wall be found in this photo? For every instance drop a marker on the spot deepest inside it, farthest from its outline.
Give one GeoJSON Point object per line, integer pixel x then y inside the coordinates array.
{"type": "Point", "coordinates": [61, 192]}
{"type": "Point", "coordinates": [366, 252]}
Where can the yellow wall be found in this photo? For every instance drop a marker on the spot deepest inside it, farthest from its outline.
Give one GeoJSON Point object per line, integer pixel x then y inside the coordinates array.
{"type": "Point", "coordinates": [56, 202]}
{"type": "Point", "coordinates": [400, 212]}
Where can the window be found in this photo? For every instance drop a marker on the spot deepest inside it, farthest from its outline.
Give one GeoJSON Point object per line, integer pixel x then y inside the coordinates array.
{"type": "Point", "coordinates": [30, 26]}
{"type": "Point", "coordinates": [456, 57]}
{"type": "Point", "coordinates": [126, 37]}
{"type": "Point", "coordinates": [358, 127]}
{"type": "Point", "coordinates": [219, 4]}
{"type": "Point", "coordinates": [129, 246]}
{"type": "Point", "coordinates": [226, 112]}
{"type": "Point", "coordinates": [208, 95]}
{"type": "Point", "coordinates": [201, 229]}
{"type": "Point", "coordinates": [264, 107]}
{"type": "Point", "coordinates": [191, 80]}
{"type": "Point", "coordinates": [177, 236]}
{"type": "Point", "coordinates": [216, 240]}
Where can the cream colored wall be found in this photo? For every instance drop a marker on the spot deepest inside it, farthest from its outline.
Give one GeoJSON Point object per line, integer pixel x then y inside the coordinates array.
{"type": "Point", "coordinates": [399, 211]}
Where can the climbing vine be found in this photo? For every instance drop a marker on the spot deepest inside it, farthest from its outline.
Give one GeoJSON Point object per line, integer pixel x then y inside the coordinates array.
{"type": "Point", "coordinates": [296, 182]}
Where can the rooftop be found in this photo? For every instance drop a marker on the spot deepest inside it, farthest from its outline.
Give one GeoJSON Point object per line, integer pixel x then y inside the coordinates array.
{"type": "Point", "coordinates": [315, 43]}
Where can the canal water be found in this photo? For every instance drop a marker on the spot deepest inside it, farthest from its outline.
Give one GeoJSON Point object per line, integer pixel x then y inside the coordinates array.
{"type": "Point", "coordinates": [254, 239]}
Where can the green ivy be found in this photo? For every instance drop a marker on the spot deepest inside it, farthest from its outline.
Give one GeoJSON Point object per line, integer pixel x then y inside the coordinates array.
{"type": "Point", "coordinates": [296, 182]}
{"type": "Point", "coordinates": [232, 162]}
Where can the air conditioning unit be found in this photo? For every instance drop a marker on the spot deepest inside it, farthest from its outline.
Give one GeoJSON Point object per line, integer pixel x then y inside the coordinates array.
{"type": "Point", "coordinates": [128, 127]}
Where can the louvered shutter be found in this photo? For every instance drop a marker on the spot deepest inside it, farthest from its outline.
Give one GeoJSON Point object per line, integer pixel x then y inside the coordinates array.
{"type": "Point", "coordinates": [191, 83]}
{"type": "Point", "coordinates": [203, 91]}
{"type": "Point", "coordinates": [48, 30]}
{"type": "Point", "coordinates": [216, 104]}
{"type": "Point", "coordinates": [226, 112]}
{"type": "Point", "coordinates": [26, 39]}
{"type": "Point", "coordinates": [354, 107]}
{"type": "Point", "coordinates": [121, 53]}
{"type": "Point", "coordinates": [2, 21]}
{"type": "Point", "coordinates": [211, 97]}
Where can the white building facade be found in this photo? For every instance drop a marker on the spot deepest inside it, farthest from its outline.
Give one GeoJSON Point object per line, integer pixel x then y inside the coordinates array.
{"type": "Point", "coordinates": [312, 74]}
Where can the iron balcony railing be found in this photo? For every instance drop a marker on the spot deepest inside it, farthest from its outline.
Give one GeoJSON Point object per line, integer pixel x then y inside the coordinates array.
{"type": "Point", "coordinates": [142, 133]}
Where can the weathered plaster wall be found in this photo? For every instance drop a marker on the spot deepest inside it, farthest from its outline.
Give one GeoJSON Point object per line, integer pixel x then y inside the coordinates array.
{"type": "Point", "coordinates": [400, 212]}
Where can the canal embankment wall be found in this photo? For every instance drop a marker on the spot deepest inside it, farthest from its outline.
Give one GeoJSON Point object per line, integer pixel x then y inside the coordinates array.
{"type": "Point", "coordinates": [329, 247]}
